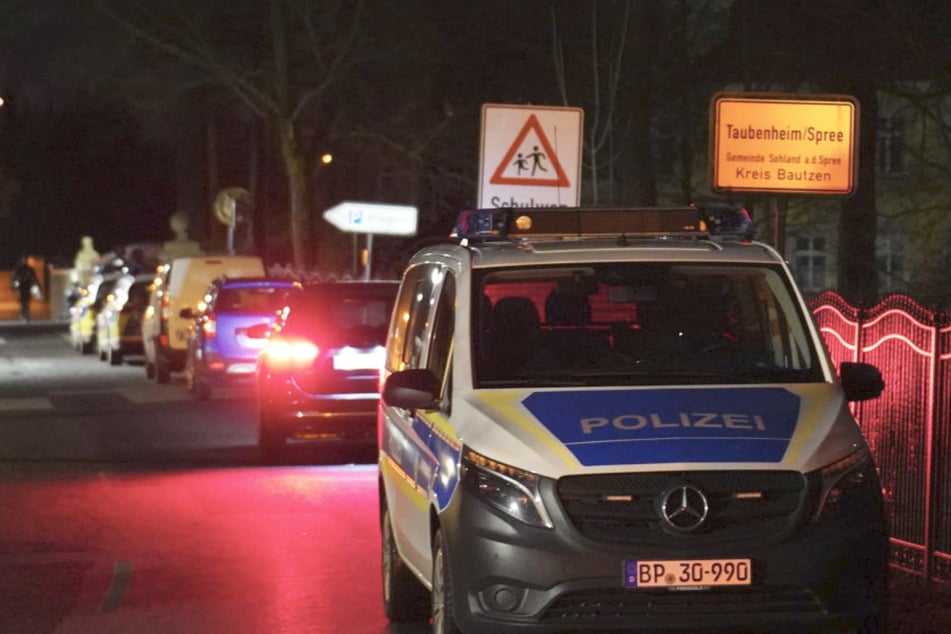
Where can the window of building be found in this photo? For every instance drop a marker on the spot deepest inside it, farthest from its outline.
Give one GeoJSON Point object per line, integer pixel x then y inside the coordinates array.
{"type": "Point", "coordinates": [890, 146]}
{"type": "Point", "coordinates": [890, 261]}
{"type": "Point", "coordinates": [811, 263]}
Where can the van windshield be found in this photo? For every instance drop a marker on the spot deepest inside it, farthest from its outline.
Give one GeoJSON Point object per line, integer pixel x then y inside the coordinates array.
{"type": "Point", "coordinates": [639, 324]}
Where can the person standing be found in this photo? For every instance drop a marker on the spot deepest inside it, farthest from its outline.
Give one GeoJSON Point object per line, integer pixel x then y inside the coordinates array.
{"type": "Point", "coordinates": [25, 283]}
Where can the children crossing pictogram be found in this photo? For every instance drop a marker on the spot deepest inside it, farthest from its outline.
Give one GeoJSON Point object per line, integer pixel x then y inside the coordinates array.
{"type": "Point", "coordinates": [529, 163]}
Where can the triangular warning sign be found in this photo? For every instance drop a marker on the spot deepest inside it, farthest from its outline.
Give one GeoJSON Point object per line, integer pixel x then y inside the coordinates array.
{"type": "Point", "coordinates": [532, 168]}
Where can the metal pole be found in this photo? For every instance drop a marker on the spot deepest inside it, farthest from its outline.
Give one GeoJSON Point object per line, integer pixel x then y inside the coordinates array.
{"type": "Point", "coordinates": [366, 269]}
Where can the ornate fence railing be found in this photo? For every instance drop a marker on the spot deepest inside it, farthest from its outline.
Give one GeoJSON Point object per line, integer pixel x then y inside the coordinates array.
{"type": "Point", "coordinates": [909, 426]}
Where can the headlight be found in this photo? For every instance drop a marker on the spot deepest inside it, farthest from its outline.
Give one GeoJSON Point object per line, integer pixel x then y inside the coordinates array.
{"type": "Point", "coordinates": [510, 490]}
{"type": "Point", "coordinates": [848, 484]}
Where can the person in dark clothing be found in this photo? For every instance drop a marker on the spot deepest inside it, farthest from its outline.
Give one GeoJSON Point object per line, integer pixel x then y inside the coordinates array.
{"type": "Point", "coordinates": [24, 281]}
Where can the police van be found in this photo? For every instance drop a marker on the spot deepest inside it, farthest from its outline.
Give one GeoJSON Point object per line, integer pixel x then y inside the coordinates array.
{"type": "Point", "coordinates": [621, 420]}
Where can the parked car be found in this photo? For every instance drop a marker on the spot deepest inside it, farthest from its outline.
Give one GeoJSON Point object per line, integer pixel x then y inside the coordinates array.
{"type": "Point", "coordinates": [179, 285]}
{"type": "Point", "coordinates": [319, 372]}
{"type": "Point", "coordinates": [219, 350]}
{"type": "Point", "coordinates": [83, 313]}
{"type": "Point", "coordinates": [119, 323]}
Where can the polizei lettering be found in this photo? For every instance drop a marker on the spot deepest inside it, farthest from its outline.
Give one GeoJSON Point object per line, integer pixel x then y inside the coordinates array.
{"type": "Point", "coordinates": [692, 420]}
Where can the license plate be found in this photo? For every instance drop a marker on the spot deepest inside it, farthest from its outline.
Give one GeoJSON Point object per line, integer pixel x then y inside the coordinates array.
{"type": "Point", "coordinates": [688, 573]}
{"type": "Point", "coordinates": [351, 359]}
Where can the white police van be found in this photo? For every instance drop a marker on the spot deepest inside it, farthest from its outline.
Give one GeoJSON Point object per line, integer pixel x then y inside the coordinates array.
{"type": "Point", "coordinates": [621, 420]}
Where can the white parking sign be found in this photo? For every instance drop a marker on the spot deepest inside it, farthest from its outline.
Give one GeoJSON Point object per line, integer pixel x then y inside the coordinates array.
{"type": "Point", "coordinates": [530, 156]}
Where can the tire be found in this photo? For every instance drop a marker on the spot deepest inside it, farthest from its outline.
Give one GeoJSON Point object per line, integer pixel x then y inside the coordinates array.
{"type": "Point", "coordinates": [443, 619]}
{"type": "Point", "coordinates": [405, 600]}
{"type": "Point", "coordinates": [271, 442]}
{"type": "Point", "coordinates": [163, 373]}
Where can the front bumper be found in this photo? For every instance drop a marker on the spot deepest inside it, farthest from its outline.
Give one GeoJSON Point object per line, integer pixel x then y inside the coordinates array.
{"type": "Point", "coordinates": [510, 577]}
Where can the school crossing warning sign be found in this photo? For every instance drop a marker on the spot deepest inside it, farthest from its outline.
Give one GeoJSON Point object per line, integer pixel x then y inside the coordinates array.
{"type": "Point", "coordinates": [530, 156]}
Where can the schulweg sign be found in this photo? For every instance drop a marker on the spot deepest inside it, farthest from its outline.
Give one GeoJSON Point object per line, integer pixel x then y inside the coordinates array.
{"type": "Point", "coordinates": [803, 144]}
{"type": "Point", "coordinates": [530, 156]}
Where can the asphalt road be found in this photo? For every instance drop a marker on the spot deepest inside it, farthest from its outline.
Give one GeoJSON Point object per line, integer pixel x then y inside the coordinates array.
{"type": "Point", "coordinates": [129, 507]}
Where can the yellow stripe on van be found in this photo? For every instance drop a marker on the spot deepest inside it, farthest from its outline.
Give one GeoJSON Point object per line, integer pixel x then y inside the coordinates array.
{"type": "Point", "coordinates": [811, 403]}
{"type": "Point", "coordinates": [402, 481]}
{"type": "Point", "coordinates": [508, 404]}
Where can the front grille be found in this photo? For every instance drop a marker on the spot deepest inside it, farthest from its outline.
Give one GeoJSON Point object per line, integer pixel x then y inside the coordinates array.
{"type": "Point", "coordinates": [624, 508]}
{"type": "Point", "coordinates": [612, 607]}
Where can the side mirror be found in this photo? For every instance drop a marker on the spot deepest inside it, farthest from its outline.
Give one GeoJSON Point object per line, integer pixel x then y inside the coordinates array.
{"type": "Point", "coordinates": [861, 381]}
{"type": "Point", "coordinates": [412, 389]}
{"type": "Point", "coordinates": [258, 331]}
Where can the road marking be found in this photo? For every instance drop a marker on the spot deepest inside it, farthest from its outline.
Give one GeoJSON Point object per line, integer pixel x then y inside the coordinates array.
{"type": "Point", "coordinates": [121, 574]}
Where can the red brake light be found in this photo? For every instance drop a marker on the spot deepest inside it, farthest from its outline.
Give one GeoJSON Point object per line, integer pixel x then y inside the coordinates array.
{"type": "Point", "coordinates": [210, 326]}
{"type": "Point", "coordinates": [286, 354]}
{"type": "Point", "coordinates": [163, 309]}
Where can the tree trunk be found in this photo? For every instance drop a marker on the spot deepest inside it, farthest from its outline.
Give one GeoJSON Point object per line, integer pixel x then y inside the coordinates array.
{"type": "Point", "coordinates": [299, 190]}
{"type": "Point", "coordinates": [858, 274]}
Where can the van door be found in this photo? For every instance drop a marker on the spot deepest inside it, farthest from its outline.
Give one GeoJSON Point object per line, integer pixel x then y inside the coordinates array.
{"type": "Point", "coordinates": [409, 463]}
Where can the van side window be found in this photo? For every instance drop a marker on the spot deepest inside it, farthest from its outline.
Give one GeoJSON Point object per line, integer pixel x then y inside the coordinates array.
{"type": "Point", "coordinates": [440, 350]}
{"type": "Point", "coordinates": [410, 318]}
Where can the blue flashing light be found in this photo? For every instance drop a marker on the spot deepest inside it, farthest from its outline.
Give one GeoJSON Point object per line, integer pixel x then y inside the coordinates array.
{"type": "Point", "coordinates": [726, 220]}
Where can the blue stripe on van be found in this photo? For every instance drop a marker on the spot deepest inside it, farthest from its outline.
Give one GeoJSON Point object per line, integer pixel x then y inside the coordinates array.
{"type": "Point", "coordinates": [614, 427]}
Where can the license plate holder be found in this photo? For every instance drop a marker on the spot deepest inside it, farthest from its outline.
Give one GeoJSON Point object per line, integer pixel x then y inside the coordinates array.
{"type": "Point", "coordinates": [687, 574]}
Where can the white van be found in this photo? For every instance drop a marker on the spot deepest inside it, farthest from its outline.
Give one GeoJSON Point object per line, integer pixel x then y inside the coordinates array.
{"type": "Point", "coordinates": [179, 285]}
{"type": "Point", "coordinates": [621, 420]}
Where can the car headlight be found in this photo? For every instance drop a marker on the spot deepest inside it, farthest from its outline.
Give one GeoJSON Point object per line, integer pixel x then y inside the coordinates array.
{"type": "Point", "coordinates": [849, 484]}
{"type": "Point", "coordinates": [510, 490]}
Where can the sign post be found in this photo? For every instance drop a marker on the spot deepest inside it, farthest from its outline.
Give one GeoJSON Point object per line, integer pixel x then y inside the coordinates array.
{"type": "Point", "coordinates": [373, 218]}
{"type": "Point", "coordinates": [530, 156]}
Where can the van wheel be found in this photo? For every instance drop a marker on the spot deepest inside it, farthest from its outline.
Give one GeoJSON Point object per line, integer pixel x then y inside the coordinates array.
{"type": "Point", "coordinates": [405, 599]}
{"type": "Point", "coordinates": [444, 621]}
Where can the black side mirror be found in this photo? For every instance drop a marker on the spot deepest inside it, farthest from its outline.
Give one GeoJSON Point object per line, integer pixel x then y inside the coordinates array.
{"type": "Point", "coordinates": [412, 389]}
{"type": "Point", "coordinates": [861, 381]}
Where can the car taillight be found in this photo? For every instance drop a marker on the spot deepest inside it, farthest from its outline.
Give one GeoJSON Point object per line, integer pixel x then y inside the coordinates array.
{"type": "Point", "coordinates": [210, 326]}
{"type": "Point", "coordinates": [290, 354]}
{"type": "Point", "coordinates": [163, 311]}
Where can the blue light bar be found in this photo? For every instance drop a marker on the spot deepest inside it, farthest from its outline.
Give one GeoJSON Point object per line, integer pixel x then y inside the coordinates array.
{"type": "Point", "coordinates": [562, 222]}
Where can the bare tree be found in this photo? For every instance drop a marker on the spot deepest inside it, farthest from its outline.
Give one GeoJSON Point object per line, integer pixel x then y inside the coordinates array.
{"type": "Point", "coordinates": [281, 60]}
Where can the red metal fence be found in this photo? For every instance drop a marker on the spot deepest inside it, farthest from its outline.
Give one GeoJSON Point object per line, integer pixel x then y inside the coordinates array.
{"type": "Point", "coordinates": [909, 426]}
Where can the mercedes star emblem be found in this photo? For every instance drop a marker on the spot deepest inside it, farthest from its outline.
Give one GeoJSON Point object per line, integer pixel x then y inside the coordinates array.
{"type": "Point", "coordinates": [684, 508]}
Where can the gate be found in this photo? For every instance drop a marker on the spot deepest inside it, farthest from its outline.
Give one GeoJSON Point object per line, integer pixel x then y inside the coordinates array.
{"type": "Point", "coordinates": [909, 426]}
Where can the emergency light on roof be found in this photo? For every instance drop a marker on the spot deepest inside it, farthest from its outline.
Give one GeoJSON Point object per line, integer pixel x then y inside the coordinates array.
{"type": "Point", "coordinates": [560, 222]}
